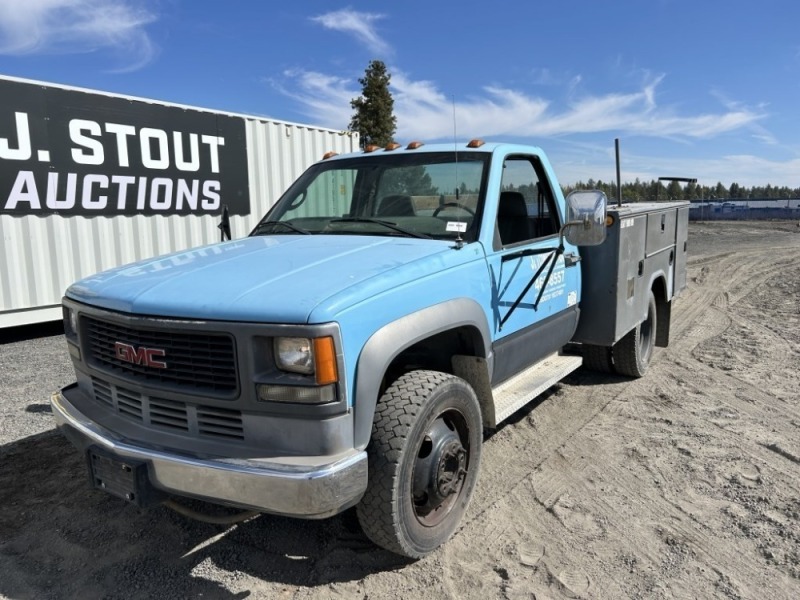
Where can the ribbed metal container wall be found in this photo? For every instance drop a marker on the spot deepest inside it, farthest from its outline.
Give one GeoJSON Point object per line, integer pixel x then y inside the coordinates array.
{"type": "Point", "coordinates": [41, 256]}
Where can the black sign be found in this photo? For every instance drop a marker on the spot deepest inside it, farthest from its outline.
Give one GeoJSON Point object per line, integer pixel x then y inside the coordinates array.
{"type": "Point", "coordinates": [69, 152]}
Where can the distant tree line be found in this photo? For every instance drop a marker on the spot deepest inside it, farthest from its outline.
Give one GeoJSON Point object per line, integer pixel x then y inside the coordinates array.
{"type": "Point", "coordinates": [644, 191]}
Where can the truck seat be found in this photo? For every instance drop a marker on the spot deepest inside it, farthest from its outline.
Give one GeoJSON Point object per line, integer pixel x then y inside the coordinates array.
{"type": "Point", "coordinates": [512, 218]}
{"type": "Point", "coordinates": [395, 205]}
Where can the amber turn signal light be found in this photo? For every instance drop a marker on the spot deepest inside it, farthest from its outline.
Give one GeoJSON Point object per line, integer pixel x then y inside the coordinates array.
{"type": "Point", "coordinates": [325, 361]}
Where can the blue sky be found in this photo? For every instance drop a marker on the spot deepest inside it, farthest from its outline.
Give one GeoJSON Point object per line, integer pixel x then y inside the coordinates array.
{"type": "Point", "coordinates": [701, 88]}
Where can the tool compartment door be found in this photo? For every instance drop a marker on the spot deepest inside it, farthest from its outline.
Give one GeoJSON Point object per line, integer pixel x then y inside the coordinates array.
{"type": "Point", "coordinates": [681, 250]}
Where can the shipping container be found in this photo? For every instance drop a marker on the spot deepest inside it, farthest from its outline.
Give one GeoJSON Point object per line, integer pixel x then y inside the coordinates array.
{"type": "Point", "coordinates": [91, 180]}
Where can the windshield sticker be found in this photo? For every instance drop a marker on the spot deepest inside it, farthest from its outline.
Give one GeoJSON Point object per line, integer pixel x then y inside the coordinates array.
{"type": "Point", "coordinates": [460, 227]}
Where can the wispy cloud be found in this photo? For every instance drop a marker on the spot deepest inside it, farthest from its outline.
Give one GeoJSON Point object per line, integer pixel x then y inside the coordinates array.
{"type": "Point", "coordinates": [325, 97]}
{"type": "Point", "coordinates": [75, 26]}
{"type": "Point", "coordinates": [744, 169]}
{"type": "Point", "coordinates": [580, 164]}
{"type": "Point", "coordinates": [358, 24]}
{"type": "Point", "coordinates": [543, 76]}
{"type": "Point", "coordinates": [424, 111]}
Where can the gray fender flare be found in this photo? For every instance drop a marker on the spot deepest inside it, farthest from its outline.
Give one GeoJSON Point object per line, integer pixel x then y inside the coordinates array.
{"type": "Point", "coordinates": [390, 340]}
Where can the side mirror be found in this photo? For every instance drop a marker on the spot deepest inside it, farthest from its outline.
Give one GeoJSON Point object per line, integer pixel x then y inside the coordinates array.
{"type": "Point", "coordinates": [586, 218]}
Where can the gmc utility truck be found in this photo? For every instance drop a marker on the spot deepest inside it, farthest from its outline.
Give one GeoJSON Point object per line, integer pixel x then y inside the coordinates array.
{"type": "Point", "coordinates": [392, 306]}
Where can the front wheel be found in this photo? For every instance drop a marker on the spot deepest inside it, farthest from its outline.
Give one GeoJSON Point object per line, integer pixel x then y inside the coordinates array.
{"type": "Point", "coordinates": [423, 462]}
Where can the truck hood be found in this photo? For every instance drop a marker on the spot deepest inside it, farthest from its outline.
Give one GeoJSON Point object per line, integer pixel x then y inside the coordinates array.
{"type": "Point", "coordinates": [266, 278]}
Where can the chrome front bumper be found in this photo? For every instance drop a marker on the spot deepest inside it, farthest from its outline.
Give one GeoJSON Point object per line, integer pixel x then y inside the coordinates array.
{"type": "Point", "coordinates": [288, 488]}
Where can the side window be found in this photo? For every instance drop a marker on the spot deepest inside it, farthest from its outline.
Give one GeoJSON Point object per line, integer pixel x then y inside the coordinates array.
{"type": "Point", "coordinates": [526, 209]}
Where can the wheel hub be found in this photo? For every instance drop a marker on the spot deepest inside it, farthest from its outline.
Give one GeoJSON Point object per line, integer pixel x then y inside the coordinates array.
{"type": "Point", "coordinates": [451, 469]}
{"type": "Point", "coordinates": [439, 472]}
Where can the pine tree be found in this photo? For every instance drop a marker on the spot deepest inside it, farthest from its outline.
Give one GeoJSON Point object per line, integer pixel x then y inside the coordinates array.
{"type": "Point", "coordinates": [413, 180]}
{"type": "Point", "coordinates": [674, 191]}
{"type": "Point", "coordinates": [373, 118]}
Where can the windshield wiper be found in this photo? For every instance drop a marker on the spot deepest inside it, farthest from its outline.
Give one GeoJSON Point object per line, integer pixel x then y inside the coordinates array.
{"type": "Point", "coordinates": [387, 224]}
{"type": "Point", "coordinates": [286, 224]}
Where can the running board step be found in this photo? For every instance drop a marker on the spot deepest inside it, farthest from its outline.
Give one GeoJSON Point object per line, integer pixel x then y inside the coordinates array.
{"type": "Point", "coordinates": [514, 393]}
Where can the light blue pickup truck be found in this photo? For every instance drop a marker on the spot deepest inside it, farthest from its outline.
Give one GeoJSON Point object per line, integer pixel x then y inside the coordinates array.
{"type": "Point", "coordinates": [392, 306]}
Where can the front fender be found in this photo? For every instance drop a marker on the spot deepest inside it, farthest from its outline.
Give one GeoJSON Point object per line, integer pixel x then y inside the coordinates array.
{"type": "Point", "coordinates": [390, 340]}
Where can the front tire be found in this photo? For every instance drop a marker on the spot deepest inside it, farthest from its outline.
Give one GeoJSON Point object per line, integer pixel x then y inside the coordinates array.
{"type": "Point", "coordinates": [423, 462]}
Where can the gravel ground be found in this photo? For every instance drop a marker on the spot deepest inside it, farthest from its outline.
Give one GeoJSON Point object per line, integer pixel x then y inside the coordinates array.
{"type": "Point", "coordinates": [684, 484]}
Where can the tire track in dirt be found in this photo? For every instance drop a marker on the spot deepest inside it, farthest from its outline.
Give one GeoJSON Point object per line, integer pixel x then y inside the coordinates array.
{"type": "Point", "coordinates": [675, 530]}
{"type": "Point", "coordinates": [702, 315]}
{"type": "Point", "coordinates": [678, 485]}
{"type": "Point", "coordinates": [729, 276]}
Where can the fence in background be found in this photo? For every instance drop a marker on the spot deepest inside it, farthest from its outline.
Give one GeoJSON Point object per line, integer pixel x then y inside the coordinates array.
{"type": "Point", "coordinates": [744, 210]}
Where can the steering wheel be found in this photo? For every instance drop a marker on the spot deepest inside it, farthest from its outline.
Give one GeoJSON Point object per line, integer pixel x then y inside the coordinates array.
{"type": "Point", "coordinates": [450, 204]}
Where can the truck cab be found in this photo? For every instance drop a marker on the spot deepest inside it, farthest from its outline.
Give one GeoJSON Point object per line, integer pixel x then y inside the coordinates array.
{"type": "Point", "coordinates": [392, 305]}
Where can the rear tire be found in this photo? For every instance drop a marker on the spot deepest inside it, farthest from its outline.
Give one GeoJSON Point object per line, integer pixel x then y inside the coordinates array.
{"type": "Point", "coordinates": [423, 462]}
{"type": "Point", "coordinates": [598, 358]}
{"type": "Point", "coordinates": [633, 352]}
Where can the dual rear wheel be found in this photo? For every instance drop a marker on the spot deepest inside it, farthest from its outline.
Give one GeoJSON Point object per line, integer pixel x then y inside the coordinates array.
{"type": "Point", "coordinates": [631, 355]}
{"type": "Point", "coordinates": [633, 352]}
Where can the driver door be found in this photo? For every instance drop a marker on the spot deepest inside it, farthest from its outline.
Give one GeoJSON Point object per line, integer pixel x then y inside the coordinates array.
{"type": "Point", "coordinates": [533, 317]}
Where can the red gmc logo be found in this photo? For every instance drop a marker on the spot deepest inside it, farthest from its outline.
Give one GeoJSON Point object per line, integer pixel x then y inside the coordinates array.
{"type": "Point", "coordinates": [140, 356]}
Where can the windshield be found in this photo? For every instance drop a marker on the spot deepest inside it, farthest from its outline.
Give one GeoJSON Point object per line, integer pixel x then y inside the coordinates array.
{"type": "Point", "coordinates": [430, 195]}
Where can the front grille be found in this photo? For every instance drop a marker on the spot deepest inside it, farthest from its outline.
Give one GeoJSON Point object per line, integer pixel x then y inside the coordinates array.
{"type": "Point", "coordinates": [170, 414]}
{"type": "Point", "coordinates": [196, 362]}
{"type": "Point", "coordinates": [219, 422]}
{"type": "Point", "coordinates": [130, 403]}
{"type": "Point", "coordinates": [196, 419]}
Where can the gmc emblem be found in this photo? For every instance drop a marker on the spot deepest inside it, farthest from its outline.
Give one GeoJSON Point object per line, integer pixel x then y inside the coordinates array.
{"type": "Point", "coordinates": [140, 356]}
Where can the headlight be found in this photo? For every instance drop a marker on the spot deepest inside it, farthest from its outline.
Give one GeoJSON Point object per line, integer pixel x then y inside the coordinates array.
{"type": "Point", "coordinates": [71, 331]}
{"type": "Point", "coordinates": [70, 322]}
{"type": "Point", "coordinates": [315, 356]}
{"type": "Point", "coordinates": [295, 355]}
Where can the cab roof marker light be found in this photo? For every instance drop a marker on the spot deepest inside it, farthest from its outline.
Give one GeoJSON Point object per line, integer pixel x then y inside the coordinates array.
{"type": "Point", "coordinates": [476, 143]}
{"type": "Point", "coordinates": [330, 154]}
{"type": "Point", "coordinates": [392, 146]}
{"type": "Point", "coordinates": [415, 145]}
{"type": "Point", "coordinates": [371, 148]}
